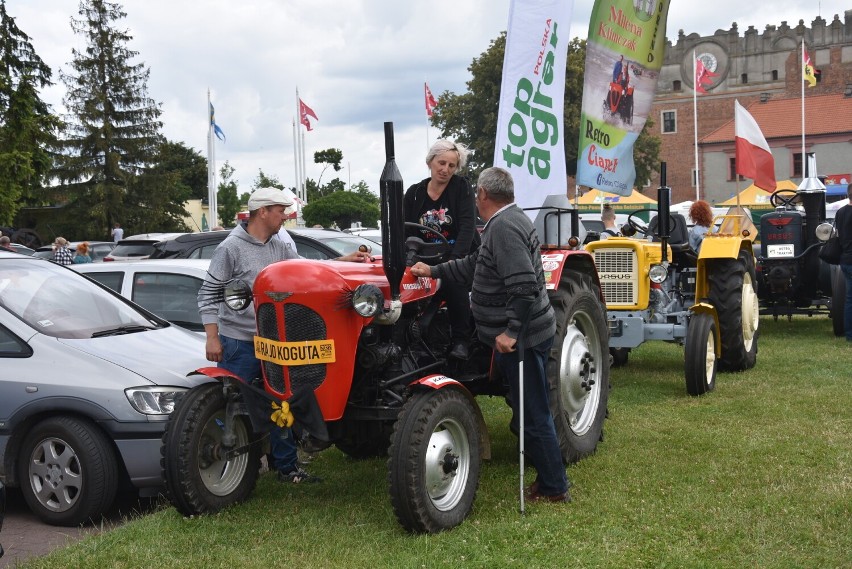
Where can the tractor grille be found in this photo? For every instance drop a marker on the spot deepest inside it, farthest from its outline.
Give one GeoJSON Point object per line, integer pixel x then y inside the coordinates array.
{"type": "Point", "coordinates": [301, 324]}
{"type": "Point", "coordinates": [619, 276]}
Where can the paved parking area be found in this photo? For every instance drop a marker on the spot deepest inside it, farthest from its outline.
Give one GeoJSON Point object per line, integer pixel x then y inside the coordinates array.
{"type": "Point", "coordinates": [24, 536]}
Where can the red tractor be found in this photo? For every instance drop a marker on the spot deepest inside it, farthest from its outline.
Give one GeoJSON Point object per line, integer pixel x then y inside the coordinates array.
{"type": "Point", "coordinates": [359, 350]}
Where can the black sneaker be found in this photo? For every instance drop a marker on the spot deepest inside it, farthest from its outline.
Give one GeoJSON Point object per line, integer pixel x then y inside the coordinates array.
{"type": "Point", "coordinates": [460, 351]}
{"type": "Point", "coordinates": [298, 476]}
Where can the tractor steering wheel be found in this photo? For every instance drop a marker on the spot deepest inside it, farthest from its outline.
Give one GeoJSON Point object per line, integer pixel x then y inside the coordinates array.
{"type": "Point", "coordinates": [784, 198]}
{"type": "Point", "coordinates": [419, 250]}
{"type": "Point", "coordinates": [636, 225]}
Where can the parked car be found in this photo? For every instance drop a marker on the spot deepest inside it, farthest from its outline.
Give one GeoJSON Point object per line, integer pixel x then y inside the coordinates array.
{"type": "Point", "coordinates": [311, 244]}
{"type": "Point", "coordinates": [22, 249]}
{"type": "Point", "coordinates": [168, 288]}
{"type": "Point", "coordinates": [138, 246]}
{"type": "Point", "coordinates": [2, 511]}
{"type": "Point", "coordinates": [98, 250]}
{"type": "Point", "coordinates": [87, 381]}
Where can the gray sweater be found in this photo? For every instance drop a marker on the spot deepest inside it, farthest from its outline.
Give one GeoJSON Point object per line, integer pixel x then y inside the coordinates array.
{"type": "Point", "coordinates": [505, 267]}
{"type": "Point", "coordinates": [239, 256]}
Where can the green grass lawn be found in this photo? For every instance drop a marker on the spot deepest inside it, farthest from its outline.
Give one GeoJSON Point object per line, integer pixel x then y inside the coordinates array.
{"type": "Point", "coordinates": [757, 473]}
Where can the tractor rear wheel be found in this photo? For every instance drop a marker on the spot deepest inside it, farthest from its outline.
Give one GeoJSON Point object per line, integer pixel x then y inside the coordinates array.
{"type": "Point", "coordinates": [733, 295]}
{"type": "Point", "coordinates": [578, 366]}
{"type": "Point", "coordinates": [433, 469]}
{"type": "Point", "coordinates": [838, 300]}
{"type": "Point", "coordinates": [201, 477]}
{"type": "Point", "coordinates": [700, 355]}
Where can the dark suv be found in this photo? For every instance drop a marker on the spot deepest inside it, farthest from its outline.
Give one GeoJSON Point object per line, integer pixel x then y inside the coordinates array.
{"type": "Point", "coordinates": [311, 244]}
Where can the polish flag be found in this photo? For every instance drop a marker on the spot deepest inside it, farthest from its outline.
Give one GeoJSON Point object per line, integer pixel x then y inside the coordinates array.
{"type": "Point", "coordinates": [431, 103]}
{"type": "Point", "coordinates": [753, 156]}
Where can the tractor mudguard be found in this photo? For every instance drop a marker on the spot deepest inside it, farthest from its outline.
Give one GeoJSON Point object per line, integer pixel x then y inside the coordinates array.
{"type": "Point", "coordinates": [723, 248]}
{"type": "Point", "coordinates": [216, 373]}
{"type": "Point", "coordinates": [704, 308]}
{"type": "Point", "coordinates": [440, 381]}
{"type": "Point", "coordinates": [554, 262]}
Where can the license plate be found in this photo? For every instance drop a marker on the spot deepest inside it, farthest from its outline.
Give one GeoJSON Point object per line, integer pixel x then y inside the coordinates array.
{"type": "Point", "coordinates": [294, 353]}
{"type": "Point", "coordinates": [781, 251]}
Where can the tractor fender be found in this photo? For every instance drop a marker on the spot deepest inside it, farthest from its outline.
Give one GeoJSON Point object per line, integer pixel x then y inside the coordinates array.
{"type": "Point", "coordinates": [555, 261]}
{"type": "Point", "coordinates": [216, 373]}
{"type": "Point", "coordinates": [440, 381]}
{"type": "Point", "coordinates": [723, 248]}
{"type": "Point", "coordinates": [704, 308]}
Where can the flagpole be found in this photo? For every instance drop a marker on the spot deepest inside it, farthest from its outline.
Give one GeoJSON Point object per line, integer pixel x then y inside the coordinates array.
{"type": "Point", "coordinates": [695, 123]}
{"type": "Point", "coordinates": [211, 167]}
{"type": "Point", "coordinates": [295, 159]}
{"type": "Point", "coordinates": [802, 81]}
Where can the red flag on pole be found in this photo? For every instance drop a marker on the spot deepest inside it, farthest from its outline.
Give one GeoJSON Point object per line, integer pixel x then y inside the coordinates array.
{"type": "Point", "coordinates": [753, 156]}
{"type": "Point", "coordinates": [703, 76]}
{"type": "Point", "coordinates": [431, 103]}
{"type": "Point", "coordinates": [304, 112]}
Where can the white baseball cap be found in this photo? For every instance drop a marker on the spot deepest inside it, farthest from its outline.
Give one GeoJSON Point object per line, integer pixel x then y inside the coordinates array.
{"type": "Point", "coordinates": [262, 197]}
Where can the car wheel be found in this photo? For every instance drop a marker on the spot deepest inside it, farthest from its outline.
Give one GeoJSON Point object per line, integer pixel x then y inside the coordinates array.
{"type": "Point", "coordinates": [68, 471]}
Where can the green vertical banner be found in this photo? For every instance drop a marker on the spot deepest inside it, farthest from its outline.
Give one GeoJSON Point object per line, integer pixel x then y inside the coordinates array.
{"type": "Point", "coordinates": [624, 55]}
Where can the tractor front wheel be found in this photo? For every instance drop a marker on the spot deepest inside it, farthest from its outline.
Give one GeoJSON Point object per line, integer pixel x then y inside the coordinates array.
{"type": "Point", "coordinates": [700, 355]}
{"type": "Point", "coordinates": [433, 469]}
{"type": "Point", "coordinates": [206, 468]}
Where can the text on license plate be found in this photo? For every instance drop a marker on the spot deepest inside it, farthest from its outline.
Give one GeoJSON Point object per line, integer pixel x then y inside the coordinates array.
{"type": "Point", "coordinates": [294, 353]}
{"type": "Point", "coordinates": [780, 251]}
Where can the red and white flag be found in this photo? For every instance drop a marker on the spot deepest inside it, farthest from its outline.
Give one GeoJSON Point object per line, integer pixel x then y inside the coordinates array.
{"type": "Point", "coordinates": [431, 103]}
{"type": "Point", "coordinates": [304, 112]}
{"type": "Point", "coordinates": [753, 156]}
{"type": "Point", "coordinates": [703, 76]}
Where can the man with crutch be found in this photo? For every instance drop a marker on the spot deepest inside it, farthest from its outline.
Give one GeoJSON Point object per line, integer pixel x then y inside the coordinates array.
{"type": "Point", "coordinates": [507, 291]}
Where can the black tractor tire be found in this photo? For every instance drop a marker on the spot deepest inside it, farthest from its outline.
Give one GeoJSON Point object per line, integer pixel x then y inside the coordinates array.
{"type": "Point", "coordinates": [434, 462]}
{"type": "Point", "coordinates": [68, 471]}
{"type": "Point", "coordinates": [365, 439]}
{"type": "Point", "coordinates": [578, 366]}
{"type": "Point", "coordinates": [838, 301]}
{"type": "Point", "coordinates": [733, 295]}
{"type": "Point", "coordinates": [199, 479]}
{"type": "Point", "coordinates": [700, 355]}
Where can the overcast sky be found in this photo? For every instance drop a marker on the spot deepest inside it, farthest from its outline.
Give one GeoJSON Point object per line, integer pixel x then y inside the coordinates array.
{"type": "Point", "coordinates": [357, 63]}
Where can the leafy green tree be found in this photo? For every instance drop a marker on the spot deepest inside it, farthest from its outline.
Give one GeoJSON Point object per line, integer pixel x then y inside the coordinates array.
{"type": "Point", "coordinates": [264, 181]}
{"type": "Point", "coordinates": [226, 196]}
{"type": "Point", "coordinates": [471, 117]}
{"type": "Point", "coordinates": [27, 125]}
{"type": "Point", "coordinates": [330, 157]}
{"type": "Point", "coordinates": [113, 127]}
{"type": "Point", "coordinates": [341, 208]}
{"type": "Point", "coordinates": [188, 163]}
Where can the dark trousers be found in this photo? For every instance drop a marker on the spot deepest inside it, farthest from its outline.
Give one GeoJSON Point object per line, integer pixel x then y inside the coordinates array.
{"type": "Point", "coordinates": [541, 445]}
{"type": "Point", "coordinates": [457, 298]}
{"type": "Point", "coordinates": [238, 357]}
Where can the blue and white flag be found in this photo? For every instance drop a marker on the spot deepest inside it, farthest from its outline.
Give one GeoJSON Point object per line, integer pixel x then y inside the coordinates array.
{"type": "Point", "coordinates": [216, 130]}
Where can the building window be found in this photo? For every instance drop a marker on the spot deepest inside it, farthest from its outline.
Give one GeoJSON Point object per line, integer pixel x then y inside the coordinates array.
{"type": "Point", "coordinates": [744, 78]}
{"type": "Point", "coordinates": [676, 86]}
{"type": "Point", "coordinates": [669, 122]}
{"type": "Point", "coordinates": [797, 165]}
{"type": "Point", "coordinates": [775, 75]}
{"type": "Point", "coordinates": [732, 169]}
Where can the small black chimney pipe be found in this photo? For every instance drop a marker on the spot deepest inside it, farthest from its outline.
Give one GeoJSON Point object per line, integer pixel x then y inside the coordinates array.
{"type": "Point", "coordinates": [393, 220]}
{"type": "Point", "coordinates": [664, 200]}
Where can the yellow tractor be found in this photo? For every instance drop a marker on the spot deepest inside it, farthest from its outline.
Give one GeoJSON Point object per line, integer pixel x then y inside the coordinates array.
{"type": "Point", "coordinates": [657, 287]}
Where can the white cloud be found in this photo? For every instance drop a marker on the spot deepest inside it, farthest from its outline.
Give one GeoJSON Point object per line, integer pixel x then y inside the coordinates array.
{"type": "Point", "coordinates": [357, 63]}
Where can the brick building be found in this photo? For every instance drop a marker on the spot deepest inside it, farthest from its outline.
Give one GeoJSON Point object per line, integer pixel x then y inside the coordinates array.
{"type": "Point", "coordinates": [763, 72]}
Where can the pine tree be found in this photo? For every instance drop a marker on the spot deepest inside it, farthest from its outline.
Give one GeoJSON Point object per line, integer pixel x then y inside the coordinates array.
{"type": "Point", "coordinates": [113, 130]}
{"type": "Point", "coordinates": [27, 125]}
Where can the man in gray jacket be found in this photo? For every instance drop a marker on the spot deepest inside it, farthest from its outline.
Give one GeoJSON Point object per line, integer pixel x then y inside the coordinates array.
{"type": "Point", "coordinates": [507, 291]}
{"type": "Point", "coordinates": [249, 248]}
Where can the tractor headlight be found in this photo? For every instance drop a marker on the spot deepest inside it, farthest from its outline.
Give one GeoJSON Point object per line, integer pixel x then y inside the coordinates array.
{"type": "Point", "coordinates": [367, 300]}
{"type": "Point", "coordinates": [237, 295]}
{"type": "Point", "coordinates": [823, 231]}
{"type": "Point", "coordinates": [658, 273]}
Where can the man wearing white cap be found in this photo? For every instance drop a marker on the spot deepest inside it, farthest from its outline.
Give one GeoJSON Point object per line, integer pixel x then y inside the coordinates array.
{"type": "Point", "coordinates": [249, 248]}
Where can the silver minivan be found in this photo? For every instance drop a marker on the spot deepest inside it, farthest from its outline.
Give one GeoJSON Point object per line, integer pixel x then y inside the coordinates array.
{"type": "Point", "coordinates": [87, 382]}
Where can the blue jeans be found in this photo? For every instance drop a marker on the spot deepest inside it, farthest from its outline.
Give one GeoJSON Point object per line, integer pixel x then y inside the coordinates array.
{"type": "Point", "coordinates": [540, 442]}
{"type": "Point", "coordinates": [238, 357]}
{"type": "Point", "coordinates": [847, 311]}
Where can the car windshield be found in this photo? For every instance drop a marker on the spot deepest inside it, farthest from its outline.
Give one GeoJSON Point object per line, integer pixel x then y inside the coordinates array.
{"type": "Point", "coordinates": [130, 249]}
{"type": "Point", "coordinates": [350, 243]}
{"type": "Point", "coordinates": [60, 303]}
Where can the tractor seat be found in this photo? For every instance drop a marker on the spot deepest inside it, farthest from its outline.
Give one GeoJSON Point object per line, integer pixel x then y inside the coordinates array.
{"type": "Point", "coordinates": [678, 234]}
